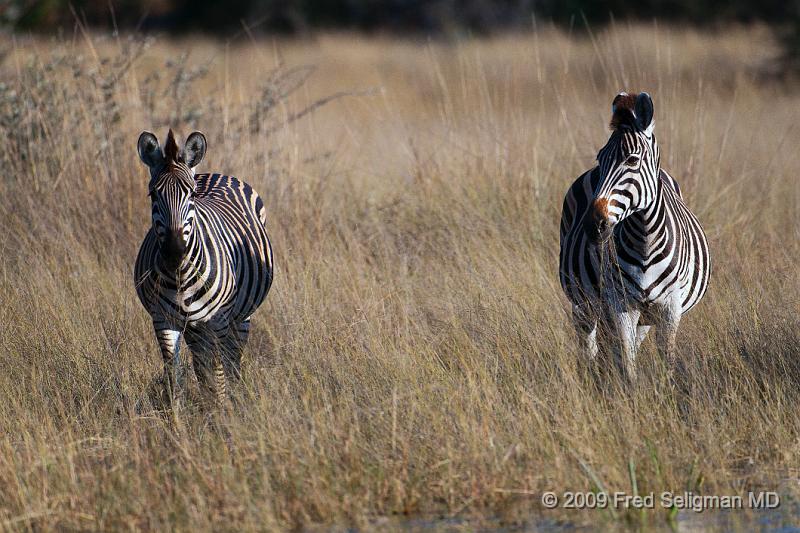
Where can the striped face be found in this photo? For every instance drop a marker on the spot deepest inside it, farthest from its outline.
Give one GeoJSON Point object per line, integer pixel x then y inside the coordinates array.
{"type": "Point", "coordinates": [173, 210]}
{"type": "Point", "coordinates": [172, 190]}
{"type": "Point", "coordinates": [628, 166]}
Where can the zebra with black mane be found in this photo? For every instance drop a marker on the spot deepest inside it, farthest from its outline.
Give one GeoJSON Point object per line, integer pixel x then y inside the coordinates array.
{"type": "Point", "coordinates": [632, 254]}
{"type": "Point", "coordinates": [205, 264]}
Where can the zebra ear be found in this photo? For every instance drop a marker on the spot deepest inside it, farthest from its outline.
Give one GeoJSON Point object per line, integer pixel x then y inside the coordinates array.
{"type": "Point", "coordinates": [194, 149]}
{"type": "Point", "coordinates": [644, 111]}
{"type": "Point", "coordinates": [149, 150]}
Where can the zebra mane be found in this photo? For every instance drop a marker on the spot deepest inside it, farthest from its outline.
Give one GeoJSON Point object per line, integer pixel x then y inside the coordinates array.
{"type": "Point", "coordinates": [177, 174]}
{"type": "Point", "coordinates": [623, 115]}
{"type": "Point", "coordinates": [174, 167]}
{"type": "Point", "coordinates": [172, 151]}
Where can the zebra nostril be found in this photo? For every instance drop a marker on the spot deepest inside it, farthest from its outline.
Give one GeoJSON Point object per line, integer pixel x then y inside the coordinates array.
{"type": "Point", "coordinates": [597, 223]}
{"type": "Point", "coordinates": [599, 218]}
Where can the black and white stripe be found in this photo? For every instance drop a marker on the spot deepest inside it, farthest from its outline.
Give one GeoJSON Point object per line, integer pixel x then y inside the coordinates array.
{"type": "Point", "coordinates": [632, 254]}
{"type": "Point", "coordinates": [205, 264]}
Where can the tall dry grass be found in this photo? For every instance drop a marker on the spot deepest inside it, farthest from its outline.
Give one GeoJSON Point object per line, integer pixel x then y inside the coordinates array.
{"type": "Point", "coordinates": [415, 354]}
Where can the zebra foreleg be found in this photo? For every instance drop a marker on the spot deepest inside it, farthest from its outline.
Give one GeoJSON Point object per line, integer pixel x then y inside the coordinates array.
{"type": "Point", "coordinates": [169, 341]}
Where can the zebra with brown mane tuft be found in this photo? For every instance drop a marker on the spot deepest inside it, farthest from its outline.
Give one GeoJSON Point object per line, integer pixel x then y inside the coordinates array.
{"type": "Point", "coordinates": [632, 255]}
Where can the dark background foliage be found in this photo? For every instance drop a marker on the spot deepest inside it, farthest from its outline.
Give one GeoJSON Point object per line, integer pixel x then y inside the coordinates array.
{"type": "Point", "coordinates": [397, 16]}
{"type": "Point", "coordinates": [427, 18]}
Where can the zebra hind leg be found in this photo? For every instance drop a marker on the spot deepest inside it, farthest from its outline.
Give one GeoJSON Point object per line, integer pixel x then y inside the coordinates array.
{"type": "Point", "coordinates": [586, 329]}
{"type": "Point", "coordinates": [641, 334]}
{"type": "Point", "coordinates": [207, 360]}
{"type": "Point", "coordinates": [220, 391]}
{"type": "Point", "coordinates": [232, 357]}
{"type": "Point", "coordinates": [625, 332]}
{"type": "Point", "coordinates": [210, 374]}
{"type": "Point", "coordinates": [234, 343]}
{"type": "Point", "coordinates": [666, 333]}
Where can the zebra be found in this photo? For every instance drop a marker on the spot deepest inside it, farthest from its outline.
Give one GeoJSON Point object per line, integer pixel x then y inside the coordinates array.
{"type": "Point", "coordinates": [205, 264]}
{"type": "Point", "coordinates": [632, 253]}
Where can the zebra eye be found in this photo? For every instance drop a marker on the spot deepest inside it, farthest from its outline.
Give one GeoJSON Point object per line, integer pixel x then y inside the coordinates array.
{"type": "Point", "coordinates": [632, 160]}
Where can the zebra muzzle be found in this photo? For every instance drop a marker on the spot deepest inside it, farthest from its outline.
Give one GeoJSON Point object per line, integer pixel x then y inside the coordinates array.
{"type": "Point", "coordinates": [173, 248]}
{"type": "Point", "coordinates": [597, 225]}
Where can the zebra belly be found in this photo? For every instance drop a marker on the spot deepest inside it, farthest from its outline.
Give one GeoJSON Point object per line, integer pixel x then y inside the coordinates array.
{"type": "Point", "coordinates": [194, 312]}
{"type": "Point", "coordinates": [650, 290]}
{"type": "Point", "coordinates": [177, 308]}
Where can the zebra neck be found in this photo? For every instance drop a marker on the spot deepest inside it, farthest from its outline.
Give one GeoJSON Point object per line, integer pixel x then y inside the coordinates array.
{"type": "Point", "coordinates": [194, 261]}
{"type": "Point", "coordinates": [189, 265]}
{"type": "Point", "coordinates": [644, 232]}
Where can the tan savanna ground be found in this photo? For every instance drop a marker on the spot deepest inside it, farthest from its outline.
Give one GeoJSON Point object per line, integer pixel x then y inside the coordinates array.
{"type": "Point", "coordinates": [415, 354]}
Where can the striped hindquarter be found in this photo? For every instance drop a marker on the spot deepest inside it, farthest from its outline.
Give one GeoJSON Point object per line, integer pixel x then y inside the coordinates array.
{"type": "Point", "coordinates": [654, 257]}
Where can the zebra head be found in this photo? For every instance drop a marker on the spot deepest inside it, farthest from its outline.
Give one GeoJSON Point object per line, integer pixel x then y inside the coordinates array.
{"type": "Point", "coordinates": [172, 190]}
{"type": "Point", "coordinates": [628, 165]}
